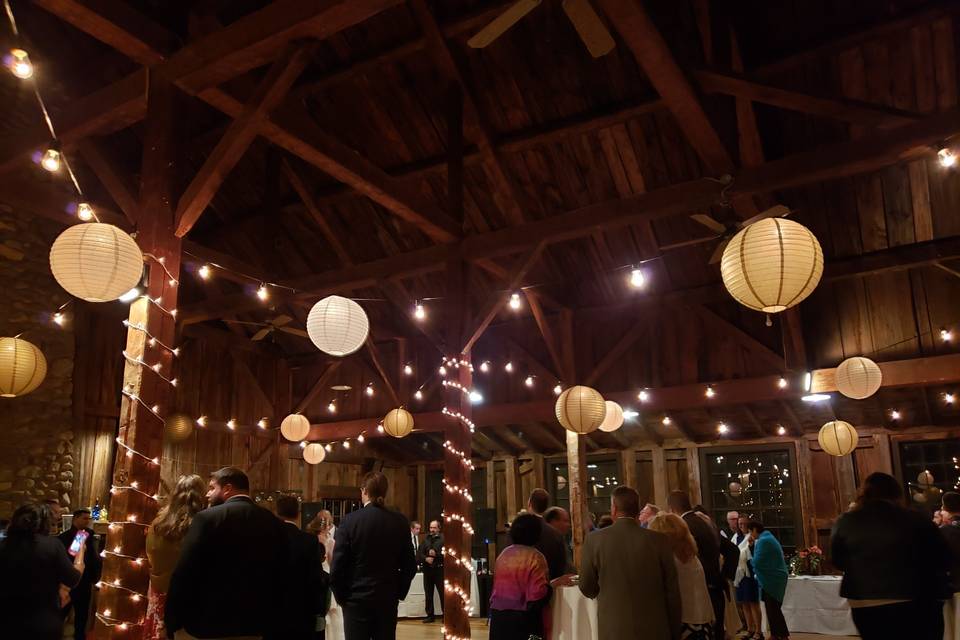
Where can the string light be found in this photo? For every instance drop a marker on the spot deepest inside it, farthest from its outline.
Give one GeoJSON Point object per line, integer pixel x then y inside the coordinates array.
{"type": "Point", "coordinates": [894, 415]}
{"type": "Point", "coordinates": [407, 370]}
{"type": "Point", "coordinates": [136, 596]}
{"type": "Point", "coordinates": [710, 392]}
{"type": "Point", "coordinates": [116, 623]}
{"type": "Point", "coordinates": [442, 370]}
{"type": "Point", "coordinates": [949, 398]}
{"type": "Point", "coordinates": [133, 452]}
{"type": "Point", "coordinates": [262, 292]}
{"type": "Point", "coordinates": [156, 368]}
{"type": "Point", "coordinates": [360, 438]}
{"type": "Point", "coordinates": [51, 158]}
{"type": "Point", "coordinates": [514, 301]}
{"type": "Point", "coordinates": [722, 428]}
{"type": "Point", "coordinates": [557, 389]}
{"type": "Point", "coordinates": [782, 382]}
{"type": "Point", "coordinates": [452, 488]}
{"type": "Point", "coordinates": [636, 278]}
{"type": "Point", "coordinates": [946, 157]}
{"type": "Point", "coordinates": [328, 447]}
{"type": "Point", "coordinates": [156, 302]}
{"type": "Point", "coordinates": [116, 553]}
{"type": "Point", "coordinates": [508, 367]}
{"type": "Point", "coordinates": [204, 272]}
{"type": "Point", "coordinates": [459, 416]}
{"type": "Point", "coordinates": [85, 212]}
{"type": "Point", "coordinates": [781, 431]}
{"type": "Point", "coordinates": [202, 421]}
{"type": "Point", "coordinates": [18, 61]}
{"type": "Point", "coordinates": [419, 312]}
{"type": "Point", "coordinates": [155, 410]}
{"type": "Point", "coordinates": [332, 407]}
{"type": "Point", "coordinates": [464, 460]}
{"type": "Point", "coordinates": [418, 394]}
{"type": "Point", "coordinates": [346, 444]}
{"type": "Point", "coordinates": [133, 487]}
{"type": "Point", "coordinates": [58, 318]}
{"type": "Point", "coordinates": [643, 396]}
{"type": "Point", "coordinates": [262, 423]}
{"type": "Point", "coordinates": [369, 389]}
{"type": "Point", "coordinates": [946, 335]}
{"type": "Point", "coordinates": [460, 520]}
{"type": "Point", "coordinates": [528, 381]}
{"type": "Point", "coordinates": [485, 366]}
{"type": "Point", "coordinates": [630, 414]}
{"type": "Point", "coordinates": [152, 341]}
{"type": "Point", "coordinates": [231, 424]}
{"type": "Point", "coordinates": [666, 421]}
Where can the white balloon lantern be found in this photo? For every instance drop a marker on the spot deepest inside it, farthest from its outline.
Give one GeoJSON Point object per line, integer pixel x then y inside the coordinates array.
{"type": "Point", "coordinates": [772, 265]}
{"type": "Point", "coordinates": [398, 423]}
{"type": "Point", "coordinates": [858, 377]}
{"type": "Point", "coordinates": [314, 453]}
{"type": "Point", "coordinates": [96, 262]}
{"type": "Point", "coordinates": [22, 367]}
{"type": "Point", "coordinates": [337, 326]}
{"type": "Point", "coordinates": [580, 409]}
{"type": "Point", "coordinates": [295, 427]}
{"type": "Point", "coordinates": [838, 438]}
{"type": "Point", "coordinates": [613, 418]}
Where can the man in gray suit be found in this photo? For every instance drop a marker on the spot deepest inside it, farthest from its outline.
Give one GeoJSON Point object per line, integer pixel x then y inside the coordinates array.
{"type": "Point", "coordinates": [631, 572]}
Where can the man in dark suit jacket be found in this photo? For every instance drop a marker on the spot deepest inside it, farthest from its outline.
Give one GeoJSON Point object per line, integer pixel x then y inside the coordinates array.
{"type": "Point", "coordinates": [233, 566]}
{"type": "Point", "coordinates": [707, 538]}
{"type": "Point", "coordinates": [372, 564]}
{"type": "Point", "coordinates": [430, 557]}
{"type": "Point", "coordinates": [81, 595]}
{"type": "Point", "coordinates": [551, 543]}
{"type": "Point", "coordinates": [304, 596]}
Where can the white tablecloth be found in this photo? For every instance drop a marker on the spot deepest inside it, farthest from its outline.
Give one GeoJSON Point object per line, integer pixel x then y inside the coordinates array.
{"type": "Point", "coordinates": [414, 605]}
{"type": "Point", "coordinates": [574, 615]}
{"type": "Point", "coordinates": [813, 604]}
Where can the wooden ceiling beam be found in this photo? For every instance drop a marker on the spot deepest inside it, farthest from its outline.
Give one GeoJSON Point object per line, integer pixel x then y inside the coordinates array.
{"type": "Point", "coordinates": [118, 186]}
{"type": "Point", "coordinates": [738, 335]}
{"type": "Point", "coordinates": [794, 424]}
{"type": "Point", "coordinates": [546, 331]}
{"type": "Point", "coordinates": [381, 370]}
{"type": "Point", "coordinates": [318, 387]}
{"type": "Point", "coordinates": [541, 370]}
{"type": "Point", "coordinates": [325, 224]}
{"type": "Point", "coordinates": [616, 352]}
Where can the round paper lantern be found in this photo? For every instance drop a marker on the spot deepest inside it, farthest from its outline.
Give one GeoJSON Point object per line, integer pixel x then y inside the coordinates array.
{"type": "Point", "coordinates": [22, 367]}
{"type": "Point", "coordinates": [838, 438]}
{"type": "Point", "coordinates": [337, 326]}
{"type": "Point", "coordinates": [398, 423]}
{"type": "Point", "coordinates": [314, 453]}
{"type": "Point", "coordinates": [178, 427]}
{"type": "Point", "coordinates": [772, 265]}
{"type": "Point", "coordinates": [295, 427]}
{"type": "Point", "coordinates": [925, 479]}
{"type": "Point", "coordinates": [735, 489]}
{"type": "Point", "coordinates": [580, 409]}
{"type": "Point", "coordinates": [613, 418]}
{"type": "Point", "coordinates": [858, 378]}
{"type": "Point", "coordinates": [96, 262]}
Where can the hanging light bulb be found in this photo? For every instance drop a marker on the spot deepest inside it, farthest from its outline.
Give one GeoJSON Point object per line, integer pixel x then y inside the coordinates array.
{"type": "Point", "coordinates": [346, 444]}
{"type": "Point", "coordinates": [558, 389]}
{"type": "Point", "coordinates": [949, 398]}
{"type": "Point", "coordinates": [946, 157]}
{"type": "Point", "coordinates": [407, 370]}
{"type": "Point", "coordinates": [636, 278]}
{"type": "Point", "coordinates": [782, 383]}
{"type": "Point", "coordinates": [946, 335]}
{"type": "Point", "coordinates": [58, 318]}
{"type": "Point", "coordinates": [328, 447]}
{"type": "Point", "coordinates": [202, 421]}
{"type": "Point", "coordinates": [51, 158]}
{"type": "Point", "coordinates": [528, 381]}
{"type": "Point", "coordinates": [781, 430]}
{"type": "Point", "coordinates": [722, 428]}
{"type": "Point", "coordinates": [485, 366]}
{"type": "Point", "coordinates": [231, 424]}
{"type": "Point", "coordinates": [476, 397]}
{"type": "Point", "coordinates": [508, 367]}
{"type": "Point", "coordinates": [418, 394]}
{"type": "Point", "coordinates": [131, 295]}
{"type": "Point", "coordinates": [204, 272]}
{"type": "Point", "coordinates": [262, 292]}
{"type": "Point", "coordinates": [332, 407]}
{"type": "Point", "coordinates": [18, 61]}
{"type": "Point", "coordinates": [303, 444]}
{"type": "Point", "coordinates": [85, 211]}
{"type": "Point", "coordinates": [710, 392]}
{"type": "Point", "coordinates": [369, 389]}
{"type": "Point", "coordinates": [262, 423]}
{"type": "Point", "coordinates": [418, 311]}
{"type": "Point", "coordinates": [360, 438]}
{"type": "Point", "coordinates": [666, 421]}
{"type": "Point", "coordinates": [514, 301]}
{"type": "Point", "coordinates": [643, 396]}
{"type": "Point", "coordinates": [442, 370]}
{"type": "Point", "coordinates": [894, 414]}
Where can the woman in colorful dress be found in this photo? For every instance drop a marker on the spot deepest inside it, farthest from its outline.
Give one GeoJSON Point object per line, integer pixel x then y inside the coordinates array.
{"type": "Point", "coordinates": [521, 584]}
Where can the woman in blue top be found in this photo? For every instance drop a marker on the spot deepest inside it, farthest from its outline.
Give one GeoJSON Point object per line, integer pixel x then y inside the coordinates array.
{"type": "Point", "coordinates": [770, 569]}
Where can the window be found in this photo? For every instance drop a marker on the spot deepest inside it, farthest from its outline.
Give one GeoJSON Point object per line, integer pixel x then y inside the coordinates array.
{"type": "Point", "coordinates": [757, 481]}
{"type": "Point", "coordinates": [928, 468]}
{"type": "Point", "coordinates": [603, 476]}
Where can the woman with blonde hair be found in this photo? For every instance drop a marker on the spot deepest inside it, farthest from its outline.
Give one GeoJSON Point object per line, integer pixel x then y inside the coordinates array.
{"type": "Point", "coordinates": [163, 547]}
{"type": "Point", "coordinates": [697, 610]}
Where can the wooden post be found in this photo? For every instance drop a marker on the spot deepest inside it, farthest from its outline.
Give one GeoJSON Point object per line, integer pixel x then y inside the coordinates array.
{"type": "Point", "coordinates": [140, 429]}
{"type": "Point", "coordinates": [510, 486]}
{"type": "Point", "coordinates": [660, 488]}
{"type": "Point", "coordinates": [693, 475]}
{"type": "Point", "coordinates": [577, 481]}
{"type": "Point", "coordinates": [628, 460]}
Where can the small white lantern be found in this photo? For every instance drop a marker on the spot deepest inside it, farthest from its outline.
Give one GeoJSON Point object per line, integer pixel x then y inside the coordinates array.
{"type": "Point", "coordinates": [337, 326]}
{"type": "Point", "coordinates": [96, 262]}
{"type": "Point", "coordinates": [295, 427]}
{"type": "Point", "coordinates": [22, 367]}
{"type": "Point", "coordinates": [398, 423]}
{"type": "Point", "coordinates": [613, 419]}
{"type": "Point", "coordinates": [580, 409]}
{"type": "Point", "coordinates": [838, 438]}
{"type": "Point", "coordinates": [314, 453]}
{"type": "Point", "coordinates": [858, 377]}
{"type": "Point", "coordinates": [772, 265]}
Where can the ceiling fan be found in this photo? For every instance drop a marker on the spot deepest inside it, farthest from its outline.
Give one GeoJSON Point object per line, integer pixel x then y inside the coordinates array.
{"type": "Point", "coordinates": [726, 231]}
{"type": "Point", "coordinates": [585, 20]}
{"type": "Point", "coordinates": [274, 324]}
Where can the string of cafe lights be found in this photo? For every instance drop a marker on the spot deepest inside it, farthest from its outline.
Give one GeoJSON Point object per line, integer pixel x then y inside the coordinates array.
{"type": "Point", "coordinates": [452, 488]}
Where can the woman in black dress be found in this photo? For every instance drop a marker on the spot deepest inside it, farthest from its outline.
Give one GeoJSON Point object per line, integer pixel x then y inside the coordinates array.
{"type": "Point", "coordinates": [33, 565]}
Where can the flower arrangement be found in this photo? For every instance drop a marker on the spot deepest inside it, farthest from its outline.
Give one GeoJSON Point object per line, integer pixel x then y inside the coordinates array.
{"type": "Point", "coordinates": [807, 562]}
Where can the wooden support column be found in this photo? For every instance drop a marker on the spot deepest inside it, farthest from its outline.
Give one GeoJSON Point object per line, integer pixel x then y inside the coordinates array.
{"type": "Point", "coordinates": [510, 486]}
{"type": "Point", "coordinates": [577, 481]}
{"type": "Point", "coordinates": [693, 475]}
{"type": "Point", "coordinates": [628, 460]}
{"type": "Point", "coordinates": [660, 488]}
{"type": "Point", "coordinates": [140, 429]}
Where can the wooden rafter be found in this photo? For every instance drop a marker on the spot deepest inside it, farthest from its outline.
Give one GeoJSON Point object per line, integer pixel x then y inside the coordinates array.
{"type": "Point", "coordinates": [381, 370]}
{"type": "Point", "coordinates": [546, 332]}
{"type": "Point", "coordinates": [324, 223]}
{"type": "Point", "coordinates": [738, 335]}
{"type": "Point", "coordinates": [616, 352]}
{"type": "Point", "coordinates": [318, 387]}
{"type": "Point", "coordinates": [117, 186]}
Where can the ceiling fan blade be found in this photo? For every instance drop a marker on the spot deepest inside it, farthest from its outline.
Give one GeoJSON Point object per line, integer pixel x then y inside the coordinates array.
{"type": "Point", "coordinates": [718, 252]}
{"type": "Point", "coordinates": [589, 26]}
{"type": "Point", "coordinates": [501, 23]}
{"type": "Point", "coordinates": [776, 211]}
{"type": "Point", "coordinates": [253, 324]}
{"type": "Point", "coordinates": [260, 335]}
{"type": "Point", "coordinates": [709, 222]}
{"type": "Point", "coordinates": [281, 320]}
{"type": "Point", "coordinates": [296, 332]}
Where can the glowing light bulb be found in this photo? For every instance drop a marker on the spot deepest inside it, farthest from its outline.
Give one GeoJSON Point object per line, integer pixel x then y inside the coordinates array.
{"type": "Point", "coordinates": [528, 381]}
{"type": "Point", "coordinates": [782, 383]}
{"type": "Point", "coordinates": [262, 423]}
{"type": "Point", "coordinates": [476, 397]}
{"type": "Point", "coordinates": [946, 157]}
{"type": "Point", "coordinates": [155, 408]}
{"type": "Point", "coordinates": [135, 484]}
{"type": "Point", "coordinates": [156, 367]}
{"type": "Point", "coordinates": [379, 428]}
{"type": "Point", "coordinates": [346, 444]}
{"type": "Point", "coordinates": [328, 447]}
{"type": "Point", "coordinates": [231, 424]}
{"type": "Point", "coordinates": [51, 158]}
{"type": "Point", "coordinates": [202, 421]}
{"type": "Point", "coordinates": [894, 414]}
{"type": "Point", "coordinates": [303, 444]}
{"type": "Point", "coordinates": [722, 428]}
{"type": "Point", "coordinates": [85, 211]}
{"type": "Point", "coordinates": [419, 312]}
{"type": "Point", "coordinates": [557, 390]}
{"type": "Point", "coordinates": [18, 61]}
{"type": "Point", "coordinates": [418, 394]}
{"type": "Point", "coordinates": [262, 292]}
{"type": "Point", "coordinates": [949, 398]}
{"type": "Point", "coordinates": [781, 430]}
{"type": "Point", "coordinates": [106, 612]}
{"type": "Point", "coordinates": [442, 370]}
{"type": "Point", "coordinates": [332, 407]}
{"type": "Point", "coordinates": [946, 335]}
{"type": "Point", "coordinates": [131, 295]}
{"type": "Point", "coordinates": [485, 366]}
{"type": "Point", "coordinates": [407, 370]}
{"type": "Point", "coordinates": [636, 279]}
{"type": "Point", "coordinates": [135, 597]}
{"type": "Point", "coordinates": [508, 367]}
{"type": "Point", "coordinates": [58, 318]}
{"type": "Point", "coordinates": [360, 438]}
{"type": "Point", "coordinates": [204, 272]}
{"type": "Point", "coordinates": [369, 390]}
{"type": "Point", "coordinates": [666, 421]}
{"type": "Point", "coordinates": [643, 396]}
{"type": "Point", "coordinates": [710, 392]}
{"type": "Point", "coordinates": [514, 301]}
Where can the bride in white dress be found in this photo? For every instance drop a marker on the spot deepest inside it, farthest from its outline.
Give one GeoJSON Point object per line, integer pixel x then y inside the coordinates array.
{"type": "Point", "coordinates": [334, 626]}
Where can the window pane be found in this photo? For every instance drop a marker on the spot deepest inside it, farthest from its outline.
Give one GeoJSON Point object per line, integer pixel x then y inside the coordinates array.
{"type": "Point", "coordinates": [929, 469]}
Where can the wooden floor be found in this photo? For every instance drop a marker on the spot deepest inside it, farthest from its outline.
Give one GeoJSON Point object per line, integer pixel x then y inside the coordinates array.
{"type": "Point", "coordinates": [416, 630]}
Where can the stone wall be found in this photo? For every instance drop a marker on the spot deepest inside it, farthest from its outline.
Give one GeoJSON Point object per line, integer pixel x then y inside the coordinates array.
{"type": "Point", "coordinates": [36, 430]}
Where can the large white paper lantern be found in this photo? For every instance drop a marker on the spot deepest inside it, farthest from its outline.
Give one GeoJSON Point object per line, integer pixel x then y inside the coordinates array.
{"type": "Point", "coordinates": [295, 427]}
{"type": "Point", "coordinates": [314, 453]}
{"type": "Point", "coordinates": [22, 367]}
{"type": "Point", "coordinates": [858, 377]}
{"type": "Point", "coordinates": [613, 419]}
{"type": "Point", "coordinates": [838, 438]}
{"type": "Point", "coordinates": [337, 326]}
{"type": "Point", "coordinates": [772, 265]}
{"type": "Point", "coordinates": [178, 427]}
{"type": "Point", "coordinates": [580, 409]}
{"type": "Point", "coordinates": [96, 262]}
{"type": "Point", "coordinates": [398, 423]}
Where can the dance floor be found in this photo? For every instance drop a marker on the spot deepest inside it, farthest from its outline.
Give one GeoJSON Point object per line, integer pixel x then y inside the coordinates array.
{"type": "Point", "coordinates": [416, 630]}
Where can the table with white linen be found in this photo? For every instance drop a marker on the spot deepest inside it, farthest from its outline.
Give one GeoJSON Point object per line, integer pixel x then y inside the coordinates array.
{"type": "Point", "coordinates": [414, 605]}
{"type": "Point", "coordinates": [574, 615]}
{"type": "Point", "coordinates": [812, 604]}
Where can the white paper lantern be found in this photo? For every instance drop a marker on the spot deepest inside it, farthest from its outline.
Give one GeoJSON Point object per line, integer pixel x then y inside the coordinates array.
{"type": "Point", "coordinates": [838, 438]}
{"type": "Point", "coordinates": [613, 418]}
{"type": "Point", "coordinates": [772, 265]}
{"type": "Point", "coordinates": [96, 262]}
{"type": "Point", "coordinates": [925, 479]}
{"type": "Point", "coordinates": [22, 367]}
{"type": "Point", "coordinates": [314, 453]}
{"type": "Point", "coordinates": [337, 326]}
{"type": "Point", "coordinates": [178, 427]}
{"type": "Point", "coordinates": [858, 378]}
{"type": "Point", "coordinates": [735, 489]}
{"type": "Point", "coordinates": [295, 427]}
{"type": "Point", "coordinates": [398, 423]}
{"type": "Point", "coordinates": [580, 409]}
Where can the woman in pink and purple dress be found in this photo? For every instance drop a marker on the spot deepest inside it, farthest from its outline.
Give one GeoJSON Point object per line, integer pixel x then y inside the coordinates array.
{"type": "Point", "coordinates": [521, 584]}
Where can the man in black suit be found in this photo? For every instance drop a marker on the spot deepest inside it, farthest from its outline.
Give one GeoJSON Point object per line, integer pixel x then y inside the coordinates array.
{"type": "Point", "coordinates": [230, 578]}
{"type": "Point", "coordinates": [81, 594]}
{"type": "Point", "coordinates": [707, 538]}
{"type": "Point", "coordinates": [372, 564]}
{"type": "Point", "coordinates": [306, 584]}
{"type": "Point", "coordinates": [551, 543]}
{"type": "Point", "coordinates": [415, 538]}
{"type": "Point", "coordinates": [431, 561]}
